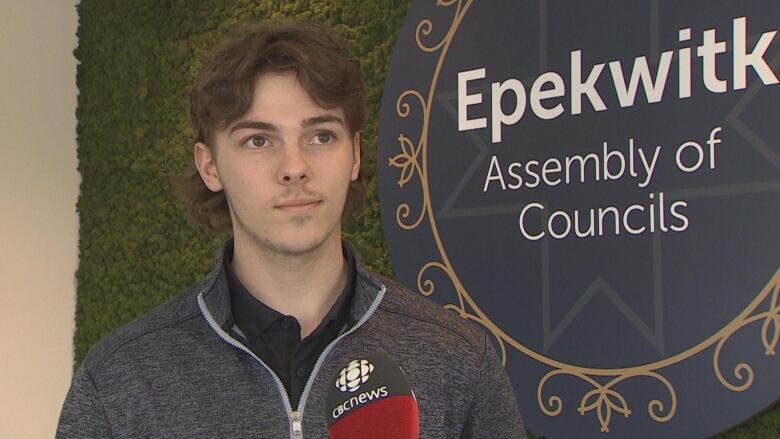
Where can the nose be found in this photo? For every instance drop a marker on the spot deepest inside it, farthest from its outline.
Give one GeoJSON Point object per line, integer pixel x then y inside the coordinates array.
{"type": "Point", "coordinates": [293, 169]}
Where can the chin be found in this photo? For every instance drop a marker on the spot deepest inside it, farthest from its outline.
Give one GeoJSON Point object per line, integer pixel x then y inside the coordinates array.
{"type": "Point", "coordinates": [291, 238]}
{"type": "Point", "coordinates": [295, 247]}
{"type": "Point", "coordinates": [294, 243]}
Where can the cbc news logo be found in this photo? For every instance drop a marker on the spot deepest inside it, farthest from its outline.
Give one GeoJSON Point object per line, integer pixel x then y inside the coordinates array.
{"type": "Point", "coordinates": [354, 375]}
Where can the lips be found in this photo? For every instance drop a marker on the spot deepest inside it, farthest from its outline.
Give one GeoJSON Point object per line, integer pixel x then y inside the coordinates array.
{"type": "Point", "coordinates": [298, 205]}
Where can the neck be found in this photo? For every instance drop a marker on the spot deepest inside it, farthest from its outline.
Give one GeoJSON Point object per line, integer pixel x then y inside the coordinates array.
{"type": "Point", "coordinates": [304, 285]}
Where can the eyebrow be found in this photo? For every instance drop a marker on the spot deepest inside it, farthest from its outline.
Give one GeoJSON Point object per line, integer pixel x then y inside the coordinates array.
{"type": "Point", "coordinates": [255, 124]}
{"type": "Point", "coordinates": [306, 123]}
{"type": "Point", "coordinates": [319, 120]}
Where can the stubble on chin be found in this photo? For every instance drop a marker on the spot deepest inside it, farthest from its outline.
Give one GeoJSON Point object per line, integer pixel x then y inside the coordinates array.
{"type": "Point", "coordinates": [268, 245]}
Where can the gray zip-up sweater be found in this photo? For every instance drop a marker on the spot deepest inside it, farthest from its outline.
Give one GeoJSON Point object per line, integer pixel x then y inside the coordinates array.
{"type": "Point", "coordinates": [175, 373]}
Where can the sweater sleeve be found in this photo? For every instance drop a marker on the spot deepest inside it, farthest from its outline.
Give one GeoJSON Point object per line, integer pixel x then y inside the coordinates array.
{"type": "Point", "coordinates": [82, 413]}
{"type": "Point", "coordinates": [494, 412]}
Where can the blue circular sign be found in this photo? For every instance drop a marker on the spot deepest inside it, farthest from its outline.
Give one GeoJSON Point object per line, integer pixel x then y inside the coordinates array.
{"type": "Point", "coordinates": [599, 189]}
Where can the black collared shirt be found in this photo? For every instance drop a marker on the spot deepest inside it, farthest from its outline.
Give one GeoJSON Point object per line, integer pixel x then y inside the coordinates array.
{"type": "Point", "coordinates": [276, 338]}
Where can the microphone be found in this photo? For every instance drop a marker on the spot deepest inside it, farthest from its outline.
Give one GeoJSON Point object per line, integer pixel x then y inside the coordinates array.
{"type": "Point", "coordinates": [370, 398]}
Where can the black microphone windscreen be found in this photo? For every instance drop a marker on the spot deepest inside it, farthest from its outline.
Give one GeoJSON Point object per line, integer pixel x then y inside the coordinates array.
{"type": "Point", "coordinates": [370, 398]}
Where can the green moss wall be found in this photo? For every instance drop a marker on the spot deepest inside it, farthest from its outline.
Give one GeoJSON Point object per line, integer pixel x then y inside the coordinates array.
{"type": "Point", "coordinates": [138, 60]}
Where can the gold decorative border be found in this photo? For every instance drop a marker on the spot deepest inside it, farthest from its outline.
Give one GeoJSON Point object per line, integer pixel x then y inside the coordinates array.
{"type": "Point", "coordinates": [603, 398]}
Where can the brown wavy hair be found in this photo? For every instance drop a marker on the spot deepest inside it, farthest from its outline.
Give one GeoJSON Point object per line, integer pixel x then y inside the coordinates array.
{"type": "Point", "coordinates": [224, 91]}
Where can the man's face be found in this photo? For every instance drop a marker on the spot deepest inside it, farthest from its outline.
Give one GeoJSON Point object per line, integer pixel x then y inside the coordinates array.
{"type": "Point", "coordinates": [285, 167]}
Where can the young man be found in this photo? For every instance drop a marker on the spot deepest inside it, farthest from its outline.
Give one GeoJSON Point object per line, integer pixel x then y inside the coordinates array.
{"type": "Point", "coordinates": [253, 349]}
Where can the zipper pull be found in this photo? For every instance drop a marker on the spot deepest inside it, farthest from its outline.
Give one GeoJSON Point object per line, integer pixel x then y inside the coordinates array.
{"type": "Point", "coordinates": [296, 424]}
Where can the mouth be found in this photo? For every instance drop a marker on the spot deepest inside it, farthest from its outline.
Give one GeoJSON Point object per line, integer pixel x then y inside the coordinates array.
{"type": "Point", "coordinates": [298, 205]}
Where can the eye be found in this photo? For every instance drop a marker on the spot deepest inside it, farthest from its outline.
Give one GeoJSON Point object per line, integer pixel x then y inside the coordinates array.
{"type": "Point", "coordinates": [256, 141]}
{"type": "Point", "coordinates": [323, 138]}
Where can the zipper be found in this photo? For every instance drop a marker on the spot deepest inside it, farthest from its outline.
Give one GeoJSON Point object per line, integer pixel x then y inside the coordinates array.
{"type": "Point", "coordinates": [295, 416]}
{"type": "Point", "coordinates": [238, 345]}
{"type": "Point", "coordinates": [297, 430]}
{"type": "Point", "coordinates": [324, 353]}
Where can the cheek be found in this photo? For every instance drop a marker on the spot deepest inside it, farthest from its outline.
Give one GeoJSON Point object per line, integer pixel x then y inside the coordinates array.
{"type": "Point", "coordinates": [246, 179]}
{"type": "Point", "coordinates": [342, 174]}
{"type": "Point", "coordinates": [244, 169]}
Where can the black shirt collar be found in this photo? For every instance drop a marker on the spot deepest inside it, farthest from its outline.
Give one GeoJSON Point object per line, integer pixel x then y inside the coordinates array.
{"type": "Point", "coordinates": [253, 317]}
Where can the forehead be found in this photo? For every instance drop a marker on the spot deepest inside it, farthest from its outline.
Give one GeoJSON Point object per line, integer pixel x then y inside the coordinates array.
{"type": "Point", "coordinates": [280, 95]}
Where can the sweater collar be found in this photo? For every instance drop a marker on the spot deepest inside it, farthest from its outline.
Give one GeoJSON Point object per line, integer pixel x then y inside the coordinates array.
{"type": "Point", "coordinates": [216, 291]}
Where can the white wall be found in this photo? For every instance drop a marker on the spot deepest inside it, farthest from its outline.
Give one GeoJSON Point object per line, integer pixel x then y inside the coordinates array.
{"type": "Point", "coordinates": [38, 222]}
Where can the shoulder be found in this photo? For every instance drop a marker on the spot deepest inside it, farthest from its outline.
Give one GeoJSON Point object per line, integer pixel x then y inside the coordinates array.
{"type": "Point", "coordinates": [176, 311]}
{"type": "Point", "coordinates": [438, 321]}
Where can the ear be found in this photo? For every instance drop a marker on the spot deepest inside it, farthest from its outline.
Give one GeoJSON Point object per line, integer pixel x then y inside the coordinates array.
{"type": "Point", "coordinates": [355, 157]}
{"type": "Point", "coordinates": [206, 164]}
